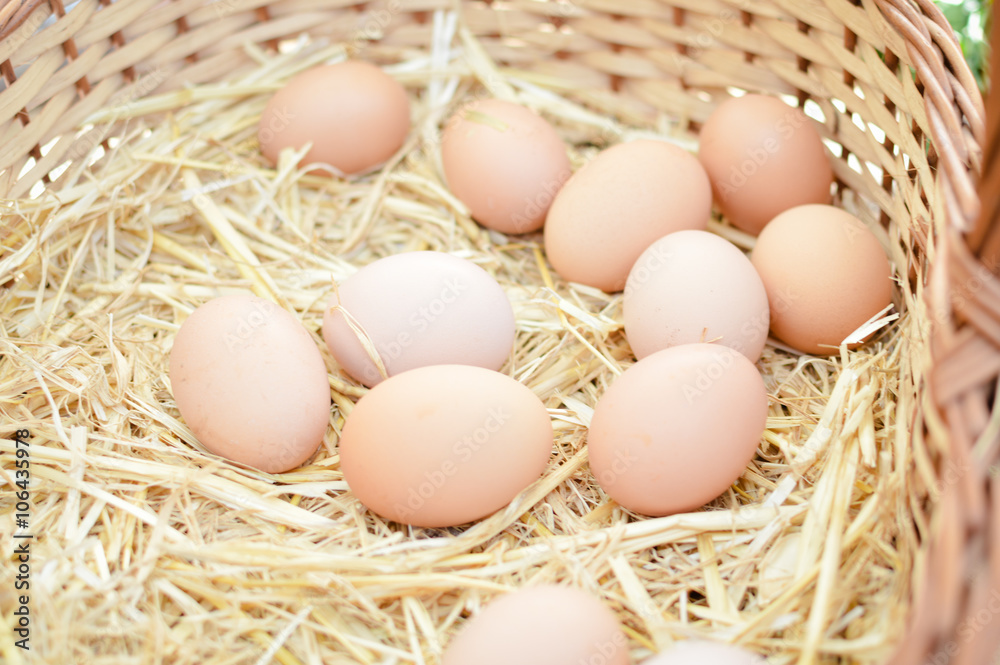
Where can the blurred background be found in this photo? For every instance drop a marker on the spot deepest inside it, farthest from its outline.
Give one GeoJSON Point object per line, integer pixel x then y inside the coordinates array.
{"type": "Point", "coordinates": [970, 19]}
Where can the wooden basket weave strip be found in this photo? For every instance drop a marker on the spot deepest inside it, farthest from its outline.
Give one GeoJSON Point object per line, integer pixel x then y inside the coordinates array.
{"type": "Point", "coordinates": [900, 110]}
{"type": "Point", "coordinates": [960, 591]}
{"type": "Point", "coordinates": [631, 58]}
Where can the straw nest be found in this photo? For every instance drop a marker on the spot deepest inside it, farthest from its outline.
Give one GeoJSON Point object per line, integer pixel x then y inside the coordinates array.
{"type": "Point", "coordinates": [148, 549]}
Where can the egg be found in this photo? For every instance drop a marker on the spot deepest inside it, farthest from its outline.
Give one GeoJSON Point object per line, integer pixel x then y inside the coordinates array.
{"type": "Point", "coordinates": [676, 429]}
{"type": "Point", "coordinates": [444, 445]}
{"type": "Point", "coordinates": [699, 652]}
{"type": "Point", "coordinates": [416, 309]}
{"type": "Point", "coordinates": [763, 157]}
{"type": "Point", "coordinates": [505, 162]}
{"type": "Point", "coordinates": [541, 625]}
{"type": "Point", "coordinates": [355, 116]}
{"type": "Point", "coordinates": [618, 204]}
{"type": "Point", "coordinates": [826, 274]}
{"type": "Point", "coordinates": [693, 286]}
{"type": "Point", "coordinates": [250, 383]}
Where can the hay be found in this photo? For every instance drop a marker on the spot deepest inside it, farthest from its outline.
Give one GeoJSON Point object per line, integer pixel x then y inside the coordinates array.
{"type": "Point", "coordinates": [149, 549]}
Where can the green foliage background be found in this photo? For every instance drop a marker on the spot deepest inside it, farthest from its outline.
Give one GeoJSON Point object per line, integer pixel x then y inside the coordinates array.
{"type": "Point", "coordinates": [970, 19]}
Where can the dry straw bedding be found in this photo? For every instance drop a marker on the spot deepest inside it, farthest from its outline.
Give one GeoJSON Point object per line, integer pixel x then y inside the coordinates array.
{"type": "Point", "coordinates": [148, 549]}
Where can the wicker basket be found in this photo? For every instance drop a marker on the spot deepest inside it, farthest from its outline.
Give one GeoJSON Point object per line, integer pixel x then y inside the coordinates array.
{"type": "Point", "coordinates": [882, 490]}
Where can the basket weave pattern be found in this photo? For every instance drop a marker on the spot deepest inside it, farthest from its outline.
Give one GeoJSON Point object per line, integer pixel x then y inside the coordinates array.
{"type": "Point", "coordinates": [905, 124]}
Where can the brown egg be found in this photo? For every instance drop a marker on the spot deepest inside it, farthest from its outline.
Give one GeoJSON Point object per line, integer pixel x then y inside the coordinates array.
{"type": "Point", "coordinates": [444, 445]}
{"type": "Point", "coordinates": [542, 625]}
{"type": "Point", "coordinates": [825, 273]}
{"type": "Point", "coordinates": [618, 204]}
{"type": "Point", "coordinates": [417, 309]}
{"type": "Point", "coordinates": [693, 286]}
{"type": "Point", "coordinates": [250, 383]}
{"type": "Point", "coordinates": [355, 115]}
{"type": "Point", "coordinates": [505, 162]}
{"type": "Point", "coordinates": [676, 429]}
{"type": "Point", "coordinates": [699, 652]}
{"type": "Point", "coordinates": [763, 157]}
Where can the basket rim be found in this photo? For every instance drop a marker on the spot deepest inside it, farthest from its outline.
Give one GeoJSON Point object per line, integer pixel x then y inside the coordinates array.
{"type": "Point", "coordinates": [956, 120]}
